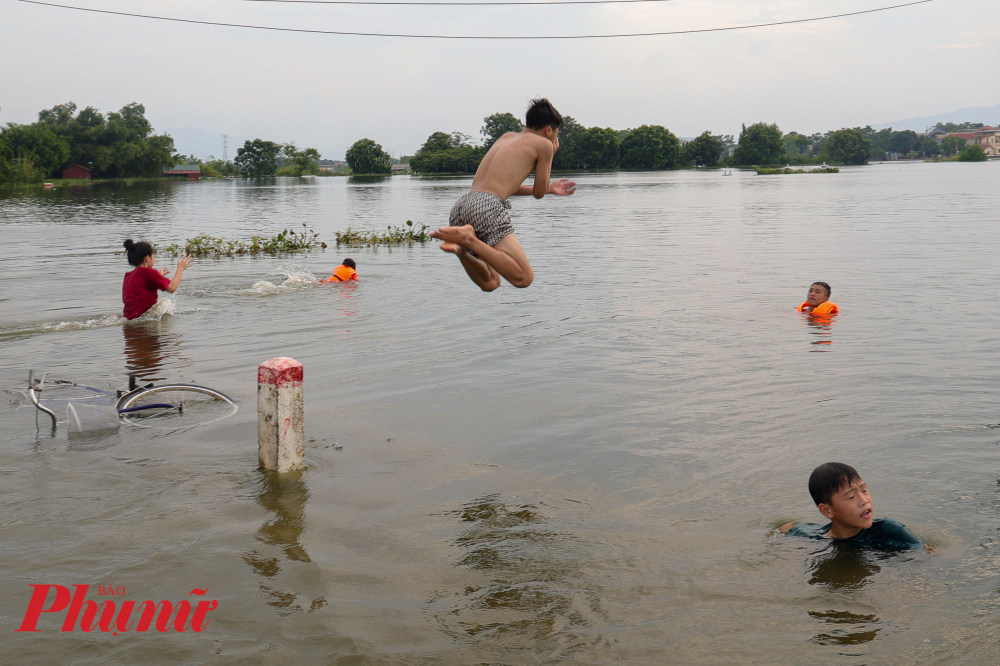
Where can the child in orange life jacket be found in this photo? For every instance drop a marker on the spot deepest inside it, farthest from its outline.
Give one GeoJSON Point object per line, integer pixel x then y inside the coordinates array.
{"type": "Point", "coordinates": [344, 272]}
{"type": "Point", "coordinates": [818, 301]}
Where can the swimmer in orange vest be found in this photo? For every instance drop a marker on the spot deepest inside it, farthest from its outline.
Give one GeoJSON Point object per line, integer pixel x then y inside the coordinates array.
{"type": "Point", "coordinates": [344, 272]}
{"type": "Point", "coordinates": [818, 301]}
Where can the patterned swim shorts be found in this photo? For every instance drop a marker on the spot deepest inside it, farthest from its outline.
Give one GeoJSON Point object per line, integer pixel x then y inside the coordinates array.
{"type": "Point", "coordinates": [488, 214]}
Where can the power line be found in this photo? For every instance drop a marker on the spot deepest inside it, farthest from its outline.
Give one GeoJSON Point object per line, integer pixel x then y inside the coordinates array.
{"type": "Point", "coordinates": [382, 34]}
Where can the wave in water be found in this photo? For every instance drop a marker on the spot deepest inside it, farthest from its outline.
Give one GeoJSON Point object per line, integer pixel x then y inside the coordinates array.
{"type": "Point", "coordinates": [296, 278]}
{"type": "Point", "coordinates": [164, 306]}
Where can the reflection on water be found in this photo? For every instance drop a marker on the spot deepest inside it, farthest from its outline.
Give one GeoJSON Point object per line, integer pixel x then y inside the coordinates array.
{"type": "Point", "coordinates": [531, 596]}
{"type": "Point", "coordinates": [820, 326]}
{"type": "Point", "coordinates": [845, 569]}
{"type": "Point", "coordinates": [286, 496]}
{"type": "Point", "coordinates": [148, 346]}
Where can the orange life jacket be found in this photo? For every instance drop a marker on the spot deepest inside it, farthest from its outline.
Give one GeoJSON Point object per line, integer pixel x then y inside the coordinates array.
{"type": "Point", "coordinates": [343, 273]}
{"type": "Point", "coordinates": [827, 308]}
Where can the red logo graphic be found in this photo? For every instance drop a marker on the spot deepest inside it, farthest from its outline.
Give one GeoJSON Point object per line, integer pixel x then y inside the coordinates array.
{"type": "Point", "coordinates": [102, 616]}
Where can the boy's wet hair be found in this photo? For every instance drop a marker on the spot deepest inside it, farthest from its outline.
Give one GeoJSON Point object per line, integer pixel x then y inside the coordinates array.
{"type": "Point", "coordinates": [824, 285]}
{"type": "Point", "coordinates": [829, 479]}
{"type": "Point", "coordinates": [542, 114]}
{"type": "Point", "coordinates": [350, 263]}
{"type": "Point", "coordinates": [137, 252]}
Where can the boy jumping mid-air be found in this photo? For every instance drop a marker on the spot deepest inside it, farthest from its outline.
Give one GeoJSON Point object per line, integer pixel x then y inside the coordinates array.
{"type": "Point", "coordinates": [481, 233]}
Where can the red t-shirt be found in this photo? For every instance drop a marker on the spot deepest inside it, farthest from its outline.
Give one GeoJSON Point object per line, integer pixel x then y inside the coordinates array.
{"type": "Point", "coordinates": [139, 290]}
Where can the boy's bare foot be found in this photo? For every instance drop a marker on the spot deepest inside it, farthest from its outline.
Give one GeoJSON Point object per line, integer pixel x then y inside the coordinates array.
{"type": "Point", "coordinates": [455, 236]}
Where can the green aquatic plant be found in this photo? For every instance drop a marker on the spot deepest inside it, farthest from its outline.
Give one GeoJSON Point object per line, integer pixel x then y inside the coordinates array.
{"type": "Point", "coordinates": [283, 242]}
{"type": "Point", "coordinates": [391, 236]}
{"type": "Point", "coordinates": [762, 171]}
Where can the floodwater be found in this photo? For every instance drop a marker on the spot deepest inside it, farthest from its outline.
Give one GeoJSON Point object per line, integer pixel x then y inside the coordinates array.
{"type": "Point", "coordinates": [588, 471]}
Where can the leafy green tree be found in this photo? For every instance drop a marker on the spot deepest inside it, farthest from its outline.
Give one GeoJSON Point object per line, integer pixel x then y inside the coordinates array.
{"type": "Point", "coordinates": [298, 162]}
{"type": "Point", "coordinates": [498, 124]}
{"type": "Point", "coordinates": [257, 158]}
{"type": "Point", "coordinates": [761, 143]}
{"type": "Point", "coordinates": [220, 167]}
{"type": "Point", "coordinates": [121, 145]}
{"type": "Point", "coordinates": [848, 146]}
{"type": "Point", "coordinates": [447, 153]}
{"type": "Point", "coordinates": [366, 157]}
{"type": "Point", "coordinates": [952, 144]}
{"type": "Point", "coordinates": [929, 146]}
{"type": "Point", "coordinates": [959, 127]}
{"type": "Point", "coordinates": [796, 145]}
{"type": "Point", "coordinates": [904, 142]}
{"type": "Point", "coordinates": [39, 144]}
{"type": "Point", "coordinates": [972, 153]}
{"type": "Point", "coordinates": [704, 150]}
{"type": "Point", "coordinates": [567, 157]}
{"type": "Point", "coordinates": [598, 148]}
{"type": "Point", "coordinates": [650, 147]}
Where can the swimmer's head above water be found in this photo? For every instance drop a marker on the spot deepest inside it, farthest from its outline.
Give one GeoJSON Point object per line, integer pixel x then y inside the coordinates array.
{"type": "Point", "coordinates": [819, 293]}
{"type": "Point", "coordinates": [349, 263]}
{"type": "Point", "coordinates": [842, 495]}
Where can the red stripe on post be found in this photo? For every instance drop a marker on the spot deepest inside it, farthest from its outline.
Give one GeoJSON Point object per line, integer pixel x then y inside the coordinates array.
{"type": "Point", "coordinates": [280, 372]}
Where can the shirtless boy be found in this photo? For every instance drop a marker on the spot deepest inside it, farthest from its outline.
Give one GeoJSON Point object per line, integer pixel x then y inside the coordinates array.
{"type": "Point", "coordinates": [481, 233]}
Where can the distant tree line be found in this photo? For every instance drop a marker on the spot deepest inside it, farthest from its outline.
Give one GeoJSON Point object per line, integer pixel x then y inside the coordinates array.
{"type": "Point", "coordinates": [655, 147]}
{"type": "Point", "coordinates": [123, 145]}
{"type": "Point", "coordinates": [116, 145]}
{"type": "Point", "coordinates": [645, 147]}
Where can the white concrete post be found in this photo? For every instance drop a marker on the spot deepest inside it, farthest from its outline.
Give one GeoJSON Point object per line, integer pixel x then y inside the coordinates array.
{"type": "Point", "coordinates": [281, 426]}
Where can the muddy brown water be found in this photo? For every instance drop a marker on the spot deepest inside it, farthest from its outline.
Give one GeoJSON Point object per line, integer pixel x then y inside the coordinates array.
{"type": "Point", "coordinates": [588, 471]}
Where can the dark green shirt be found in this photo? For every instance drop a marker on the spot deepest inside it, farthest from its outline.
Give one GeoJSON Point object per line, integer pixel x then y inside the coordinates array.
{"type": "Point", "coordinates": [884, 534]}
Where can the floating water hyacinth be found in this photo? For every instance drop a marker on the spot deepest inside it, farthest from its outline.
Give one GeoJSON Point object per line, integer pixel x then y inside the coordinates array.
{"type": "Point", "coordinates": [391, 236]}
{"type": "Point", "coordinates": [772, 172]}
{"type": "Point", "coordinates": [283, 242]}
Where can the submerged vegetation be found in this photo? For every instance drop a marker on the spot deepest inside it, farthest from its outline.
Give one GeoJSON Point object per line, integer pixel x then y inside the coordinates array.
{"type": "Point", "coordinates": [283, 242]}
{"type": "Point", "coordinates": [391, 236]}
{"type": "Point", "coordinates": [762, 171]}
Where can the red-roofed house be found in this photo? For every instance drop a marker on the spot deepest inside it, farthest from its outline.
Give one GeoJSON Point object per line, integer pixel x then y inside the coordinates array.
{"type": "Point", "coordinates": [986, 137]}
{"type": "Point", "coordinates": [192, 171]}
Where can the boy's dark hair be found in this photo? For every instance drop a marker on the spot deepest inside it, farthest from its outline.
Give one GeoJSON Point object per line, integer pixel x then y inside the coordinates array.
{"type": "Point", "coordinates": [350, 263]}
{"type": "Point", "coordinates": [824, 285]}
{"type": "Point", "coordinates": [137, 252]}
{"type": "Point", "coordinates": [542, 114]}
{"type": "Point", "coordinates": [829, 479]}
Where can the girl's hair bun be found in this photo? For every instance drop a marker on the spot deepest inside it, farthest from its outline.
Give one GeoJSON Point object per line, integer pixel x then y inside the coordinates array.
{"type": "Point", "coordinates": [128, 244]}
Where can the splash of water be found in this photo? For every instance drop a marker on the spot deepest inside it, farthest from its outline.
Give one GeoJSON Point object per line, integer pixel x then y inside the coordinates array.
{"type": "Point", "coordinates": [296, 277]}
{"type": "Point", "coordinates": [164, 306]}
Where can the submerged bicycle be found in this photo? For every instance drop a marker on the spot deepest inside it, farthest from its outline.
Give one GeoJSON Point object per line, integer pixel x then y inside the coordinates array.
{"type": "Point", "coordinates": [90, 408]}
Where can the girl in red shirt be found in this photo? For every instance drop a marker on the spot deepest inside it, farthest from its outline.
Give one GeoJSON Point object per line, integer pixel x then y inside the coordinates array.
{"type": "Point", "coordinates": [140, 285]}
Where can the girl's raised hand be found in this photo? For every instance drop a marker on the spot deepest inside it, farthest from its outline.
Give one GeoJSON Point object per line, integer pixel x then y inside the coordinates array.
{"type": "Point", "coordinates": [183, 263]}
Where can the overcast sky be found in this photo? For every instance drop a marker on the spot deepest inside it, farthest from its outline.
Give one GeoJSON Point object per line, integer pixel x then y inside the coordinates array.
{"type": "Point", "coordinates": [327, 91]}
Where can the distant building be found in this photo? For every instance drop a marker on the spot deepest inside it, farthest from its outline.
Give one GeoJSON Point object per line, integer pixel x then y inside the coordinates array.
{"type": "Point", "coordinates": [332, 165]}
{"type": "Point", "coordinates": [78, 172]}
{"type": "Point", "coordinates": [986, 137]}
{"type": "Point", "coordinates": [400, 167]}
{"type": "Point", "coordinates": [192, 171]}
{"type": "Point", "coordinates": [936, 132]}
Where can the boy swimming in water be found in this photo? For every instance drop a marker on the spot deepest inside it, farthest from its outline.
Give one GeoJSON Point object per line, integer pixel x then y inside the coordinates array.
{"type": "Point", "coordinates": [842, 496]}
{"type": "Point", "coordinates": [345, 272]}
{"type": "Point", "coordinates": [818, 300]}
{"type": "Point", "coordinates": [481, 233]}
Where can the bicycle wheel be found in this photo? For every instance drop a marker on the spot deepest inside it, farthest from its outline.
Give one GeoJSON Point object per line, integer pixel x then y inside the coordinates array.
{"type": "Point", "coordinates": [174, 406]}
